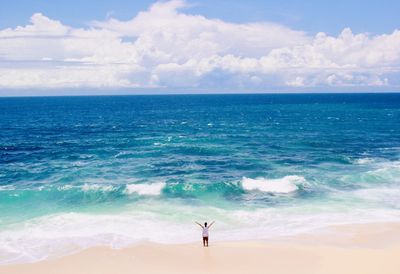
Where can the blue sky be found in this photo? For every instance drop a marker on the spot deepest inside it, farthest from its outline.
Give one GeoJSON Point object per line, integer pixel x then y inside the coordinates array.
{"type": "Point", "coordinates": [199, 45]}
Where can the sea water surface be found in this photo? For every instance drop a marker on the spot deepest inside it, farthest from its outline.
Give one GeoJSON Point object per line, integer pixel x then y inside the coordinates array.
{"type": "Point", "coordinates": [117, 170]}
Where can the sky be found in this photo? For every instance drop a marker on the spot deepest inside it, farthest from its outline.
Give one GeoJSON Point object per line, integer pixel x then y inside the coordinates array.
{"type": "Point", "coordinates": [57, 47]}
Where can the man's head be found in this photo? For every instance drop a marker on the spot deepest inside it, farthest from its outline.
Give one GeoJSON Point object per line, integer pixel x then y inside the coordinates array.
{"type": "Point", "coordinates": [205, 224]}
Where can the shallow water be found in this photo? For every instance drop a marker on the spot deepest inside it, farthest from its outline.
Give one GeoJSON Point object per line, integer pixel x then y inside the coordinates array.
{"type": "Point", "coordinates": [116, 170]}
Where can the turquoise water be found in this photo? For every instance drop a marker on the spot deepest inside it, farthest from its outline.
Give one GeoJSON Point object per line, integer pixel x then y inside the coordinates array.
{"type": "Point", "coordinates": [116, 170]}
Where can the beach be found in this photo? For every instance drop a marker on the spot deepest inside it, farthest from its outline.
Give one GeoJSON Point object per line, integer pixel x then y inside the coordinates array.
{"type": "Point", "coordinates": [115, 184]}
{"type": "Point", "coordinates": [355, 249]}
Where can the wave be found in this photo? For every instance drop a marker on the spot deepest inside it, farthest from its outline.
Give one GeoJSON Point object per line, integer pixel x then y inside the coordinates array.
{"type": "Point", "coordinates": [145, 189]}
{"type": "Point", "coordinates": [153, 189]}
{"type": "Point", "coordinates": [364, 161]}
{"type": "Point", "coordinates": [7, 187]}
{"type": "Point", "coordinates": [65, 187]}
{"type": "Point", "coordinates": [389, 171]}
{"type": "Point", "coordinates": [96, 187]}
{"type": "Point", "coordinates": [285, 185]}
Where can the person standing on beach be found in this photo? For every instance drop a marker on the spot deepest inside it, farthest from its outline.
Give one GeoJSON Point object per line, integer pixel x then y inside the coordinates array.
{"type": "Point", "coordinates": [205, 232]}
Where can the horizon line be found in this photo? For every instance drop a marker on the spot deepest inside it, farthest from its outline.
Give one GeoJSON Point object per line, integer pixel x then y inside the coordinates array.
{"type": "Point", "coordinates": [201, 93]}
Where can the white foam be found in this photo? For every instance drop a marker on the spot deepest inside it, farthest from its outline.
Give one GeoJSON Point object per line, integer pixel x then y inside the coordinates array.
{"type": "Point", "coordinates": [283, 185]}
{"type": "Point", "coordinates": [384, 196]}
{"type": "Point", "coordinates": [388, 172]}
{"type": "Point", "coordinates": [65, 187]}
{"type": "Point", "coordinates": [7, 188]}
{"type": "Point", "coordinates": [363, 161]}
{"type": "Point", "coordinates": [153, 189]}
{"type": "Point", "coordinates": [62, 234]}
{"type": "Point", "coordinates": [123, 153]}
{"type": "Point", "coordinates": [97, 187]}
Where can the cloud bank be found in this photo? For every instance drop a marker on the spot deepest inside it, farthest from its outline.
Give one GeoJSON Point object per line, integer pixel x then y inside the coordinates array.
{"type": "Point", "coordinates": [164, 47]}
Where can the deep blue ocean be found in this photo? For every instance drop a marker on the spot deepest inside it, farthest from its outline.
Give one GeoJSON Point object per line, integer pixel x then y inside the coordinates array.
{"type": "Point", "coordinates": [117, 170]}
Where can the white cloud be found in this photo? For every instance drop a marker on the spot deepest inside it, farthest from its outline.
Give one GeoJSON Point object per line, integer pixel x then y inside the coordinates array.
{"type": "Point", "coordinates": [166, 47]}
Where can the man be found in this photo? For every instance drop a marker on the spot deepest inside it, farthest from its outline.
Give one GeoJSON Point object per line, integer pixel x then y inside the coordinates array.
{"type": "Point", "coordinates": [205, 232]}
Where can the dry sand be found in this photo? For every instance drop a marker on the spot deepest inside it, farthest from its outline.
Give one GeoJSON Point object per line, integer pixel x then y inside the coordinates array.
{"type": "Point", "coordinates": [356, 249]}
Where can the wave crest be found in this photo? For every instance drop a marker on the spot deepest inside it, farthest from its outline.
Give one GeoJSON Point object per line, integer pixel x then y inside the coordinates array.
{"type": "Point", "coordinates": [153, 189]}
{"type": "Point", "coordinates": [95, 187]}
{"type": "Point", "coordinates": [283, 185]}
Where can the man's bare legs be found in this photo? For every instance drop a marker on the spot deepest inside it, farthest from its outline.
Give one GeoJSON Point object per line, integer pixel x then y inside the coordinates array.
{"type": "Point", "coordinates": [205, 241]}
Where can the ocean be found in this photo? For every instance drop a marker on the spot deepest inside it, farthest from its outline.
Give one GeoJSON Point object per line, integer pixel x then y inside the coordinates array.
{"type": "Point", "coordinates": [77, 172]}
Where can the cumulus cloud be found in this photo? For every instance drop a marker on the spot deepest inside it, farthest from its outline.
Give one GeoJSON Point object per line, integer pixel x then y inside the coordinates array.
{"type": "Point", "coordinates": [166, 47]}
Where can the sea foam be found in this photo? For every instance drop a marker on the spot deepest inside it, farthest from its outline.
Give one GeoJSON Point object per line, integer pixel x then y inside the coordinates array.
{"type": "Point", "coordinates": [283, 185]}
{"type": "Point", "coordinates": [363, 161]}
{"type": "Point", "coordinates": [7, 187]}
{"type": "Point", "coordinates": [96, 187]}
{"type": "Point", "coordinates": [153, 189]}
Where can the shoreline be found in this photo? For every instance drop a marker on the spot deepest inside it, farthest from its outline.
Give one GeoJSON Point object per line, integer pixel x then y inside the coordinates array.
{"type": "Point", "coordinates": [358, 248]}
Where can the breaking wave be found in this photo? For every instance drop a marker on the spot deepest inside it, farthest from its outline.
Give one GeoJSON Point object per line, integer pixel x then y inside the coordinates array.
{"type": "Point", "coordinates": [285, 185]}
{"type": "Point", "coordinates": [153, 189]}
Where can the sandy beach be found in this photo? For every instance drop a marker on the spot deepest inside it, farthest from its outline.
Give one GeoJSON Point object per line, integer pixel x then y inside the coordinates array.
{"type": "Point", "coordinates": [363, 249]}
